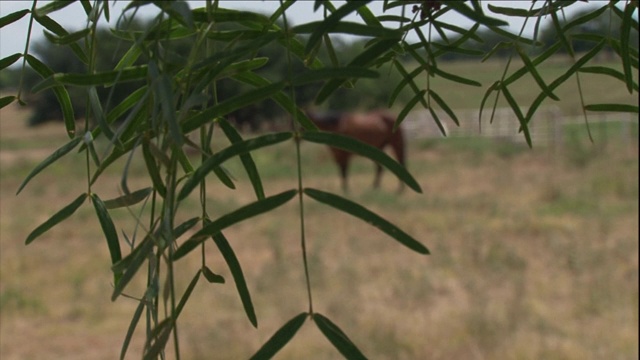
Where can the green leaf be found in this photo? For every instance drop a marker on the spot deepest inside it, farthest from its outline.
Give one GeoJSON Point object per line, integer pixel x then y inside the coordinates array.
{"type": "Point", "coordinates": [625, 30]}
{"type": "Point", "coordinates": [238, 277]}
{"type": "Point", "coordinates": [211, 276]}
{"type": "Point", "coordinates": [52, 7]}
{"type": "Point", "coordinates": [56, 218]}
{"type": "Point", "coordinates": [612, 108]}
{"type": "Point", "coordinates": [455, 78]}
{"type": "Point", "coordinates": [602, 70]}
{"type": "Point", "coordinates": [130, 265]}
{"type": "Point", "coordinates": [440, 101]}
{"type": "Point", "coordinates": [241, 214]}
{"type": "Point", "coordinates": [7, 61]}
{"type": "Point", "coordinates": [280, 338]}
{"type": "Point", "coordinates": [68, 38]}
{"type": "Point", "coordinates": [513, 12]}
{"type": "Point", "coordinates": [407, 108]}
{"type": "Point", "coordinates": [128, 199]}
{"type": "Point", "coordinates": [6, 100]}
{"type": "Point", "coordinates": [13, 17]}
{"type": "Point", "coordinates": [152, 169]}
{"type": "Point", "coordinates": [157, 339]}
{"type": "Point", "coordinates": [348, 72]}
{"type": "Point", "coordinates": [132, 328]}
{"type": "Point", "coordinates": [364, 59]}
{"type": "Point", "coordinates": [360, 148]}
{"type": "Point", "coordinates": [60, 92]}
{"type": "Point", "coordinates": [55, 28]}
{"type": "Point", "coordinates": [280, 98]}
{"type": "Point", "coordinates": [227, 106]}
{"type": "Point", "coordinates": [351, 28]}
{"type": "Point", "coordinates": [247, 160]}
{"type": "Point", "coordinates": [476, 16]}
{"type": "Point", "coordinates": [516, 110]}
{"type": "Point", "coordinates": [534, 73]}
{"type": "Point", "coordinates": [105, 78]}
{"type": "Point", "coordinates": [109, 231]}
{"type": "Point", "coordinates": [337, 337]}
{"type": "Point", "coordinates": [242, 147]}
{"type": "Point", "coordinates": [368, 216]}
{"type": "Point", "coordinates": [187, 294]}
{"type": "Point", "coordinates": [50, 160]}
{"type": "Point", "coordinates": [330, 22]}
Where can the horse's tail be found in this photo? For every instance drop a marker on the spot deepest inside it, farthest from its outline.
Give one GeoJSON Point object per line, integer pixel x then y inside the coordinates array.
{"type": "Point", "coordinates": [396, 138]}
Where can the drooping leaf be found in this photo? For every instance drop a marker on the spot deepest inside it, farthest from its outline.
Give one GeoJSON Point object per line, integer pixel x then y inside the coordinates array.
{"type": "Point", "coordinates": [346, 27]}
{"type": "Point", "coordinates": [368, 216]}
{"type": "Point", "coordinates": [534, 73]}
{"type": "Point", "coordinates": [407, 108]}
{"type": "Point", "coordinates": [187, 293]}
{"type": "Point", "coordinates": [243, 213]}
{"type": "Point", "coordinates": [338, 338]}
{"type": "Point", "coordinates": [603, 70]}
{"type": "Point", "coordinates": [227, 153]}
{"type": "Point", "coordinates": [312, 76]}
{"type": "Point", "coordinates": [211, 276]}
{"type": "Point", "coordinates": [366, 150]}
{"type": "Point", "coordinates": [440, 101]}
{"type": "Point", "coordinates": [516, 110]}
{"type": "Point", "coordinates": [50, 160]}
{"type": "Point", "coordinates": [331, 21]}
{"type": "Point", "coordinates": [238, 277]}
{"type": "Point", "coordinates": [247, 161]}
{"type": "Point", "coordinates": [128, 199]}
{"type": "Point", "coordinates": [56, 218]}
{"type": "Point", "coordinates": [132, 328]}
{"type": "Point", "coordinates": [280, 338]}
{"type": "Point", "coordinates": [152, 169]}
{"type": "Point", "coordinates": [109, 231]}
{"type": "Point", "coordinates": [60, 92]}
{"type": "Point", "coordinates": [104, 78]}
{"type": "Point", "coordinates": [130, 264]}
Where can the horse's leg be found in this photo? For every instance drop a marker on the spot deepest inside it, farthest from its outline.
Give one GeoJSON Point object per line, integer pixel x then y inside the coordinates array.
{"type": "Point", "coordinates": [342, 159]}
{"type": "Point", "coordinates": [376, 180]}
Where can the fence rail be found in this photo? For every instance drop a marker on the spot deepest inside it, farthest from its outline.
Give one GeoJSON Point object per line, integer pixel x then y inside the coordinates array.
{"type": "Point", "coordinates": [547, 128]}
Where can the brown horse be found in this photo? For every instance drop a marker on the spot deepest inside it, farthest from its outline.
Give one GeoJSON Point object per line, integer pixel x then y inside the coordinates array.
{"type": "Point", "coordinates": [374, 128]}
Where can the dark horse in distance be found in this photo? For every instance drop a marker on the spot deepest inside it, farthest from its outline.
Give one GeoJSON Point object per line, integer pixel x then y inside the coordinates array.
{"type": "Point", "coordinates": [374, 128]}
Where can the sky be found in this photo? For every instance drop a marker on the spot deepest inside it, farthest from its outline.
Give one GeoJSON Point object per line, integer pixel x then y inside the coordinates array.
{"type": "Point", "coordinates": [13, 36]}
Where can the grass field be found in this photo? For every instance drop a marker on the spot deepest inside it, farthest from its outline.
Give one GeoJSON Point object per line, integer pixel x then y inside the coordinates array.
{"type": "Point", "coordinates": [534, 256]}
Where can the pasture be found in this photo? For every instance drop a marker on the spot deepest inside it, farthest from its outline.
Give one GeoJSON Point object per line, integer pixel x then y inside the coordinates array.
{"type": "Point", "coordinates": [534, 255]}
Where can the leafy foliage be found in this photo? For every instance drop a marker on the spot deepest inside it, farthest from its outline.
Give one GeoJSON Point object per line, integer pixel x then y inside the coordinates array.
{"type": "Point", "coordinates": [166, 81]}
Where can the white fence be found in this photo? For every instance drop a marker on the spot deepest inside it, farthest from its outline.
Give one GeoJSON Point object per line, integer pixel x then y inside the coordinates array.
{"type": "Point", "coordinates": [546, 128]}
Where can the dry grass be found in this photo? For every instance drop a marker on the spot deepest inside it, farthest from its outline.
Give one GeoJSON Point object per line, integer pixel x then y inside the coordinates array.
{"type": "Point", "coordinates": [533, 256]}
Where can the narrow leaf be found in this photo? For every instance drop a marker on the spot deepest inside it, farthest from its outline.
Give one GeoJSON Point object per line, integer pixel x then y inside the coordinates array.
{"type": "Point", "coordinates": [56, 218]}
{"type": "Point", "coordinates": [368, 216]}
{"type": "Point", "coordinates": [440, 101]}
{"type": "Point", "coordinates": [330, 22]}
{"type": "Point", "coordinates": [243, 213]}
{"type": "Point", "coordinates": [612, 108]}
{"type": "Point", "coordinates": [13, 17]}
{"type": "Point", "coordinates": [128, 199]}
{"type": "Point", "coordinates": [366, 150]}
{"type": "Point", "coordinates": [6, 100]}
{"type": "Point", "coordinates": [50, 160]}
{"type": "Point", "coordinates": [238, 277]}
{"type": "Point", "coordinates": [247, 161]}
{"type": "Point", "coordinates": [187, 294]}
{"type": "Point", "coordinates": [7, 61]}
{"type": "Point", "coordinates": [603, 70]}
{"type": "Point", "coordinates": [407, 108]}
{"type": "Point", "coordinates": [227, 153]}
{"type": "Point", "coordinates": [534, 73]}
{"type": "Point", "coordinates": [132, 327]}
{"type": "Point", "coordinates": [52, 6]}
{"type": "Point", "coordinates": [109, 231]}
{"type": "Point", "coordinates": [280, 338]}
{"type": "Point", "coordinates": [333, 73]}
{"type": "Point", "coordinates": [337, 337]}
{"type": "Point", "coordinates": [516, 110]}
{"type": "Point", "coordinates": [130, 265]}
{"type": "Point", "coordinates": [152, 169]}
